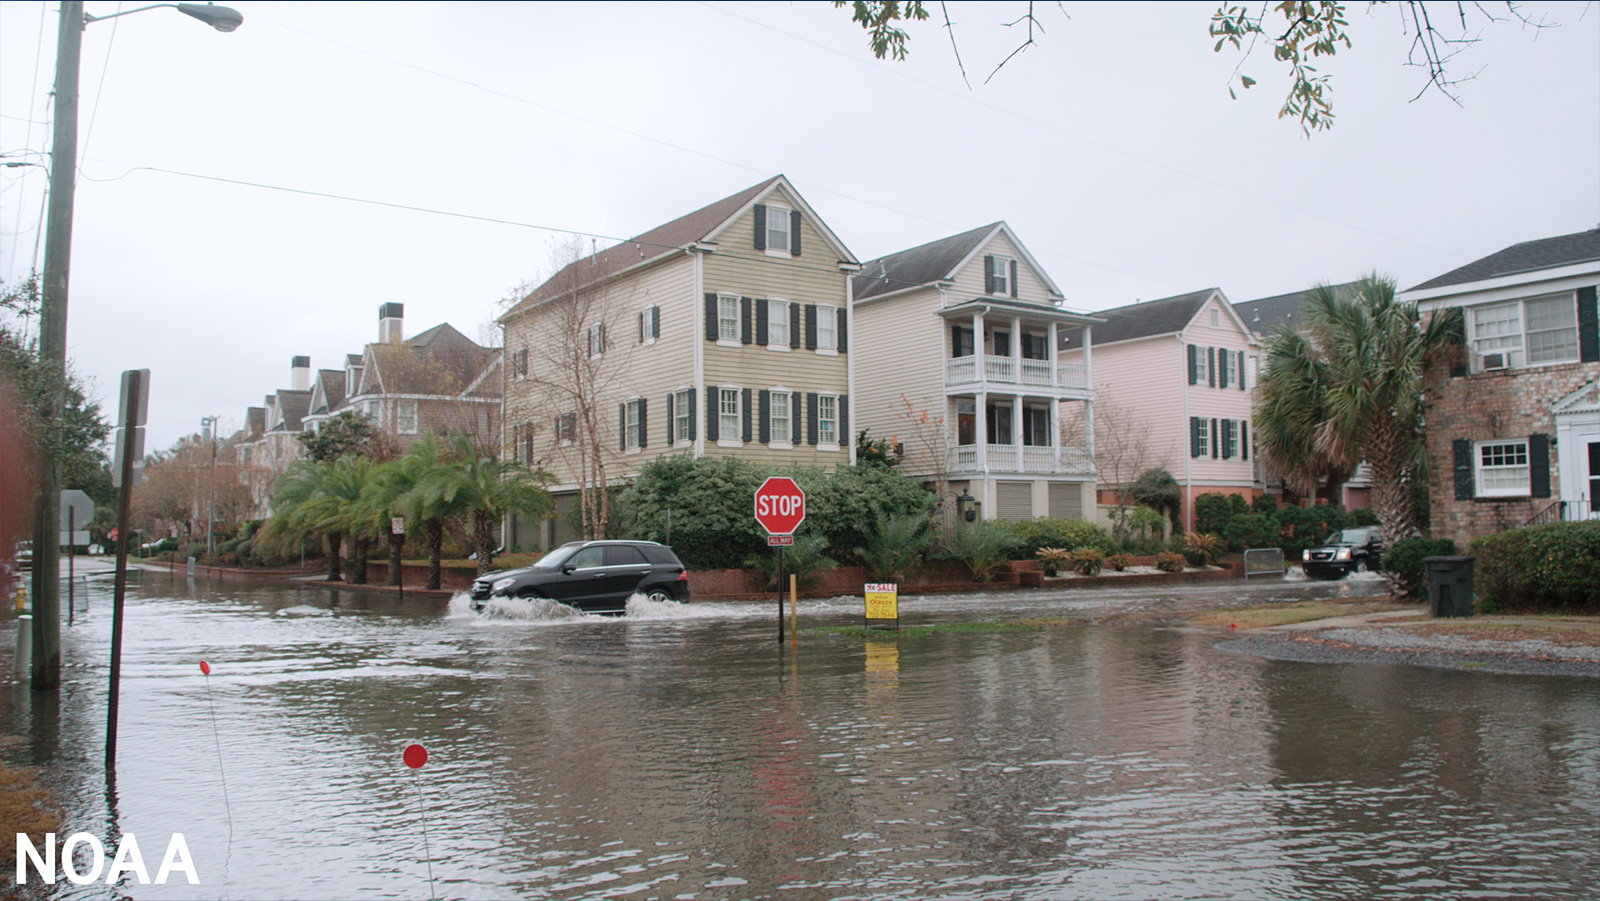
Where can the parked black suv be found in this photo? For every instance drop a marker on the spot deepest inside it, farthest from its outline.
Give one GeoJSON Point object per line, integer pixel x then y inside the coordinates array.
{"type": "Point", "coordinates": [593, 576]}
{"type": "Point", "coordinates": [1345, 551]}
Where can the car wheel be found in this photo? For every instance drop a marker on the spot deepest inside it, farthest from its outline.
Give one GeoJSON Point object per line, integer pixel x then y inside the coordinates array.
{"type": "Point", "coordinates": [661, 596]}
{"type": "Point", "coordinates": [1362, 566]}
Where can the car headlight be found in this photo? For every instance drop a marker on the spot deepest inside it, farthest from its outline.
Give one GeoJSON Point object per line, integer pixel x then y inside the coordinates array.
{"type": "Point", "coordinates": [1305, 555]}
{"type": "Point", "coordinates": [501, 585]}
{"type": "Point", "coordinates": [1343, 554]}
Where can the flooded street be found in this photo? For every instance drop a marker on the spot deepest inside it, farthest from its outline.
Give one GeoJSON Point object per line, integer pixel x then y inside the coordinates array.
{"type": "Point", "coordinates": [680, 752]}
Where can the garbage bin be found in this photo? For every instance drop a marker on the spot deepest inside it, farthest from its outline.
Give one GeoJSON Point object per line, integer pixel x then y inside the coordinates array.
{"type": "Point", "coordinates": [1449, 585]}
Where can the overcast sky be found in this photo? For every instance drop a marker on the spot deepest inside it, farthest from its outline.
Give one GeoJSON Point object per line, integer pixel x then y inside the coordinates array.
{"type": "Point", "coordinates": [1112, 148]}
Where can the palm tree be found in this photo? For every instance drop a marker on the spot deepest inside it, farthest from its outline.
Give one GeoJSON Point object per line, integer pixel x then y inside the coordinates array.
{"type": "Point", "coordinates": [1290, 408]}
{"type": "Point", "coordinates": [325, 497]}
{"type": "Point", "coordinates": [1352, 391]}
{"type": "Point", "coordinates": [478, 484]}
{"type": "Point", "coordinates": [399, 489]}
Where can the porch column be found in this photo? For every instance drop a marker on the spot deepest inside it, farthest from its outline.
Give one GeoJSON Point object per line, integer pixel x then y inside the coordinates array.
{"type": "Point", "coordinates": [981, 421]}
{"type": "Point", "coordinates": [1050, 357]}
{"type": "Point", "coordinates": [1017, 411]}
{"type": "Point", "coordinates": [980, 352]}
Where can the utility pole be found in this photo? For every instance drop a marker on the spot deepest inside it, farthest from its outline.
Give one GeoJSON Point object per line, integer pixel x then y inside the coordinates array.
{"type": "Point", "coordinates": [53, 348]}
{"type": "Point", "coordinates": [210, 424]}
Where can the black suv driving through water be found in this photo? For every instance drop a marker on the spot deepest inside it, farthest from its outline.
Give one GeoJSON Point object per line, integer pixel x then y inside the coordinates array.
{"type": "Point", "coordinates": [1343, 552]}
{"type": "Point", "coordinates": [593, 576]}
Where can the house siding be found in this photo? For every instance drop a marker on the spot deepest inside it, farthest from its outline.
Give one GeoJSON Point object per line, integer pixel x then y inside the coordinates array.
{"type": "Point", "coordinates": [968, 282]}
{"type": "Point", "coordinates": [902, 344]}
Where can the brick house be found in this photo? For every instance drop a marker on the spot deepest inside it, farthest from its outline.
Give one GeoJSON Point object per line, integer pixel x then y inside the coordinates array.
{"type": "Point", "coordinates": [1514, 417]}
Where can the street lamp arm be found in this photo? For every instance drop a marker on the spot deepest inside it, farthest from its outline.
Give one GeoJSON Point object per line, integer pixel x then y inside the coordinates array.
{"type": "Point", "coordinates": [222, 18]}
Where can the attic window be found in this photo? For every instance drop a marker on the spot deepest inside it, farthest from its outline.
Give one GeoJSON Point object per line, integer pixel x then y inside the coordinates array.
{"type": "Point", "coordinates": [1216, 318]}
{"type": "Point", "coordinates": [999, 275]}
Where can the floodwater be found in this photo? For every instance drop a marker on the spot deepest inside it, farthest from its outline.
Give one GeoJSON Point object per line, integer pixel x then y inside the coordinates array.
{"type": "Point", "coordinates": [681, 752]}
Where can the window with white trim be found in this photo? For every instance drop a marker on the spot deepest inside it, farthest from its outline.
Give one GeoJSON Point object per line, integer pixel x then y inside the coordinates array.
{"type": "Point", "coordinates": [727, 317]}
{"type": "Point", "coordinates": [828, 419]}
{"type": "Point", "coordinates": [1525, 332]}
{"type": "Point", "coordinates": [649, 325]}
{"type": "Point", "coordinates": [1216, 318]}
{"type": "Point", "coordinates": [777, 230]}
{"type": "Point", "coordinates": [729, 424]}
{"type": "Point", "coordinates": [597, 339]}
{"type": "Point", "coordinates": [405, 417]}
{"type": "Point", "coordinates": [1202, 435]}
{"type": "Point", "coordinates": [681, 408]}
{"type": "Point", "coordinates": [1502, 468]}
{"type": "Point", "coordinates": [780, 417]}
{"type": "Point", "coordinates": [373, 410]}
{"type": "Point", "coordinates": [827, 323]}
{"type": "Point", "coordinates": [1000, 275]}
{"type": "Point", "coordinates": [1202, 369]}
{"type": "Point", "coordinates": [778, 324]}
{"type": "Point", "coordinates": [630, 427]}
{"type": "Point", "coordinates": [566, 428]}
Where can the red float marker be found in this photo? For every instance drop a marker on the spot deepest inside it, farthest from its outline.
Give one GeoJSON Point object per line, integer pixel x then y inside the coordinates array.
{"type": "Point", "coordinates": [205, 669]}
{"type": "Point", "coordinates": [415, 756]}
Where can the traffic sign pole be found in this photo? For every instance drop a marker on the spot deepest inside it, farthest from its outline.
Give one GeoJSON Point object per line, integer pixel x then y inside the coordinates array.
{"type": "Point", "coordinates": [780, 508]}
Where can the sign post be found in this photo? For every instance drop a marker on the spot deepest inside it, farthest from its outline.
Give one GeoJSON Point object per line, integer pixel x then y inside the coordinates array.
{"type": "Point", "coordinates": [76, 507]}
{"type": "Point", "coordinates": [397, 526]}
{"type": "Point", "coordinates": [130, 447]}
{"type": "Point", "coordinates": [780, 509]}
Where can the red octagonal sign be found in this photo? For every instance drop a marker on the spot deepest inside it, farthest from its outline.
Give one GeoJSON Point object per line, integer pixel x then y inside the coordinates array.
{"type": "Point", "coordinates": [780, 505]}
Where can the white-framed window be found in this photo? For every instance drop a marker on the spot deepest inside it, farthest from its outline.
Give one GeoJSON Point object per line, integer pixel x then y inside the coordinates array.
{"type": "Point", "coordinates": [1524, 332]}
{"type": "Point", "coordinates": [649, 325]}
{"type": "Point", "coordinates": [1202, 368]}
{"type": "Point", "coordinates": [1000, 275]}
{"type": "Point", "coordinates": [374, 408]}
{"type": "Point", "coordinates": [778, 230]}
{"type": "Point", "coordinates": [778, 324]}
{"type": "Point", "coordinates": [827, 327]}
{"type": "Point", "coordinates": [630, 428]}
{"type": "Point", "coordinates": [729, 424]}
{"type": "Point", "coordinates": [1202, 434]}
{"type": "Point", "coordinates": [597, 339]}
{"type": "Point", "coordinates": [566, 429]}
{"type": "Point", "coordinates": [1502, 468]}
{"type": "Point", "coordinates": [828, 419]}
{"type": "Point", "coordinates": [519, 364]}
{"type": "Point", "coordinates": [781, 417]}
{"type": "Point", "coordinates": [1036, 427]}
{"type": "Point", "coordinates": [727, 318]}
{"type": "Point", "coordinates": [1216, 318]}
{"type": "Point", "coordinates": [680, 415]}
{"type": "Point", "coordinates": [405, 417]}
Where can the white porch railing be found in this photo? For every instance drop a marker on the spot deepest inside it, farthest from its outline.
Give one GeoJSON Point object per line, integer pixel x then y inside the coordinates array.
{"type": "Point", "coordinates": [1015, 371]}
{"type": "Point", "coordinates": [1012, 458]}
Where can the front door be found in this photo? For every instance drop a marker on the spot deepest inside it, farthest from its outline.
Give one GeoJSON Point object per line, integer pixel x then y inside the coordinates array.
{"type": "Point", "coordinates": [1591, 507]}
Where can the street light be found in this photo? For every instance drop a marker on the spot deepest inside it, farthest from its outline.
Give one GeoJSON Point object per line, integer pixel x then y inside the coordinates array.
{"type": "Point", "coordinates": [209, 423]}
{"type": "Point", "coordinates": [53, 317]}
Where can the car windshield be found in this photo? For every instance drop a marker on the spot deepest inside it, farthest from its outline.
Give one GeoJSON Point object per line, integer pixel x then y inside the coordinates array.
{"type": "Point", "coordinates": [556, 557]}
{"type": "Point", "coordinates": [1348, 536]}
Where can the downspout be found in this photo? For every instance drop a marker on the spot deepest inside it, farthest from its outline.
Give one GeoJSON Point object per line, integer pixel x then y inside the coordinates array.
{"type": "Point", "coordinates": [850, 361]}
{"type": "Point", "coordinates": [698, 382]}
{"type": "Point", "coordinates": [1188, 457]}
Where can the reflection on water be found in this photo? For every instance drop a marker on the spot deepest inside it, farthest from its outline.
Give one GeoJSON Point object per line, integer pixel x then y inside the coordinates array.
{"type": "Point", "coordinates": [681, 751]}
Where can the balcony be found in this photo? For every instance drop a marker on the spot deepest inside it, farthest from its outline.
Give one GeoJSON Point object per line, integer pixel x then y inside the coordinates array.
{"type": "Point", "coordinates": [1014, 371]}
{"type": "Point", "coordinates": [1019, 458]}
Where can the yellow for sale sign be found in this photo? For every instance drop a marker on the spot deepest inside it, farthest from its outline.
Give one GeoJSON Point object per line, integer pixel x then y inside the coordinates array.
{"type": "Point", "coordinates": [883, 600]}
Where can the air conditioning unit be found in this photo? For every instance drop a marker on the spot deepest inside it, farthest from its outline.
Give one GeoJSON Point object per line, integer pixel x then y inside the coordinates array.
{"type": "Point", "coordinates": [1494, 362]}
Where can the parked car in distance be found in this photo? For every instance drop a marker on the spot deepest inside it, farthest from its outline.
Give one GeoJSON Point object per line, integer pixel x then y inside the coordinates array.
{"type": "Point", "coordinates": [592, 576]}
{"type": "Point", "coordinates": [1348, 550]}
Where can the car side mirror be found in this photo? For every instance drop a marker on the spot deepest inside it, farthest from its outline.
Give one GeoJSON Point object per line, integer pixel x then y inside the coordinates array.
{"type": "Point", "coordinates": [567, 568]}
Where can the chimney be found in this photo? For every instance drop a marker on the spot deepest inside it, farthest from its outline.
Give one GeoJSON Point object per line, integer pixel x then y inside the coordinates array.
{"type": "Point", "coordinates": [300, 374]}
{"type": "Point", "coordinates": [391, 318]}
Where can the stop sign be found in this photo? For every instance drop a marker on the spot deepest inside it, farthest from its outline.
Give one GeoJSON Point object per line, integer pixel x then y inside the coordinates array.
{"type": "Point", "coordinates": [780, 505]}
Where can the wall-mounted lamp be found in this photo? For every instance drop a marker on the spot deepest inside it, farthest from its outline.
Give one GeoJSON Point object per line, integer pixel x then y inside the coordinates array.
{"type": "Point", "coordinates": [968, 506]}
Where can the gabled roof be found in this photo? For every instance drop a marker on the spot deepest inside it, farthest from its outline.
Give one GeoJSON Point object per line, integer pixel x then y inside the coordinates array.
{"type": "Point", "coordinates": [1265, 315]}
{"type": "Point", "coordinates": [935, 261]}
{"type": "Point", "coordinates": [291, 409]}
{"type": "Point", "coordinates": [704, 224]}
{"type": "Point", "coordinates": [1529, 256]}
{"type": "Point", "coordinates": [327, 390]}
{"type": "Point", "coordinates": [439, 361]}
{"type": "Point", "coordinates": [1166, 316]}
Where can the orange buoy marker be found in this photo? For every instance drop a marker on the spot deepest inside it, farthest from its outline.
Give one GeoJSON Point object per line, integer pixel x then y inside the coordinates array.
{"type": "Point", "coordinates": [416, 757]}
{"type": "Point", "coordinates": [205, 670]}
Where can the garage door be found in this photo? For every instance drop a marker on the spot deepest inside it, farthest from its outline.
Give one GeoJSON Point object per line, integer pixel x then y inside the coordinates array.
{"type": "Point", "coordinates": [1013, 501]}
{"type": "Point", "coordinates": [1066, 500]}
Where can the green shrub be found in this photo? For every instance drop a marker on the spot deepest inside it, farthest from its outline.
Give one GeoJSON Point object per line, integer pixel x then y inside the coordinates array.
{"type": "Point", "coordinates": [1168, 562]}
{"type": "Point", "coordinates": [896, 543]}
{"type": "Point", "coordinates": [983, 546]}
{"type": "Point", "coordinates": [1201, 549]}
{"type": "Point", "coordinates": [1119, 562]}
{"type": "Point", "coordinates": [1252, 530]}
{"type": "Point", "coordinates": [1087, 561]}
{"type": "Point", "coordinates": [1069, 534]}
{"type": "Point", "coordinates": [1305, 527]}
{"type": "Point", "coordinates": [805, 559]}
{"type": "Point", "coordinates": [1142, 529]}
{"type": "Point", "coordinates": [1213, 512]}
{"type": "Point", "coordinates": [1403, 562]}
{"type": "Point", "coordinates": [1157, 489]}
{"type": "Point", "coordinates": [1540, 567]}
{"type": "Point", "coordinates": [1265, 503]}
{"type": "Point", "coordinates": [1054, 559]}
{"type": "Point", "coordinates": [1362, 516]}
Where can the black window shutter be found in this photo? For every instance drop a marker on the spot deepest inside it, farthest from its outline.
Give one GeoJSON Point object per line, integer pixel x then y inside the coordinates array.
{"type": "Point", "coordinates": [839, 332]}
{"type": "Point", "coordinates": [672, 421]}
{"type": "Point", "coordinates": [794, 232]}
{"type": "Point", "coordinates": [745, 417]}
{"type": "Point", "coordinates": [1588, 325]}
{"type": "Point", "coordinates": [1244, 440]}
{"type": "Point", "coordinates": [655, 322]}
{"type": "Point", "coordinates": [694, 413]}
{"type": "Point", "coordinates": [1461, 452]}
{"type": "Point", "coordinates": [1240, 373]}
{"type": "Point", "coordinates": [844, 419]}
{"type": "Point", "coordinates": [796, 415]}
{"type": "Point", "coordinates": [811, 329]}
{"type": "Point", "coordinates": [1227, 434]}
{"type": "Point", "coordinates": [713, 421]}
{"type": "Point", "coordinates": [811, 418]}
{"type": "Point", "coordinates": [761, 320]}
{"type": "Point", "coordinates": [744, 320]}
{"type": "Point", "coordinates": [644, 419]}
{"type": "Point", "coordinates": [1458, 334]}
{"type": "Point", "coordinates": [711, 317]}
{"type": "Point", "coordinates": [1222, 364]}
{"type": "Point", "coordinates": [1194, 360]}
{"type": "Point", "coordinates": [1539, 465]}
{"type": "Point", "coordinates": [1214, 441]}
{"type": "Point", "coordinates": [794, 325]}
{"type": "Point", "coordinates": [761, 226]}
{"type": "Point", "coordinates": [622, 426]}
{"type": "Point", "coordinates": [765, 433]}
{"type": "Point", "coordinates": [988, 275]}
{"type": "Point", "coordinates": [641, 326]}
{"type": "Point", "coordinates": [1194, 436]}
{"type": "Point", "coordinates": [1013, 278]}
{"type": "Point", "coordinates": [1211, 366]}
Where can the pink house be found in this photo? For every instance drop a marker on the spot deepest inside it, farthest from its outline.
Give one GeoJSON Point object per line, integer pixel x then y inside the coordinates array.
{"type": "Point", "coordinates": [1172, 382]}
